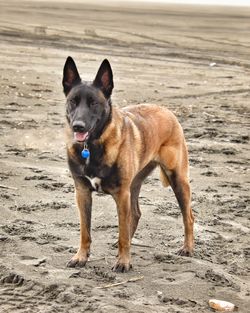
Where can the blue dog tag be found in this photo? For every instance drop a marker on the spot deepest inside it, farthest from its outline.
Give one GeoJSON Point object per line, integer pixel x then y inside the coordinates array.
{"type": "Point", "coordinates": [85, 153]}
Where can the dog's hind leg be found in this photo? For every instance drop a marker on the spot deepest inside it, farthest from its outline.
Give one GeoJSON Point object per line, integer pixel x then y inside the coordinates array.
{"type": "Point", "coordinates": [181, 188]}
{"type": "Point", "coordinates": [164, 177]}
{"type": "Point", "coordinates": [174, 162]}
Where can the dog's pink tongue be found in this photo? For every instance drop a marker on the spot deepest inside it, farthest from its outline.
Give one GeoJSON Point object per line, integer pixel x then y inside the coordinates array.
{"type": "Point", "coordinates": [80, 136]}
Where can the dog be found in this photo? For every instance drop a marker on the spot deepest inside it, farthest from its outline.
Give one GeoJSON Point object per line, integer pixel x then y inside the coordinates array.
{"type": "Point", "coordinates": [113, 150]}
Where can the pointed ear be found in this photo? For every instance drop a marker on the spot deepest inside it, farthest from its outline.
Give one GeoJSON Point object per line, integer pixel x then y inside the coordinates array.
{"type": "Point", "coordinates": [104, 79]}
{"type": "Point", "coordinates": [70, 75]}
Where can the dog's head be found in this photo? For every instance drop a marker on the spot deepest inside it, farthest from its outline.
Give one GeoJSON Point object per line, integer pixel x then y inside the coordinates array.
{"type": "Point", "coordinates": [88, 106]}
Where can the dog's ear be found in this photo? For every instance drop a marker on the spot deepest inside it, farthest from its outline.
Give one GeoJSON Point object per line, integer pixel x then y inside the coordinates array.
{"type": "Point", "coordinates": [70, 75]}
{"type": "Point", "coordinates": [104, 79]}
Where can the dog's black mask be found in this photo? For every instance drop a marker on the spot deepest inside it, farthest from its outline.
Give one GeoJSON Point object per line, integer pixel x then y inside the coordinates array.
{"type": "Point", "coordinates": [88, 104]}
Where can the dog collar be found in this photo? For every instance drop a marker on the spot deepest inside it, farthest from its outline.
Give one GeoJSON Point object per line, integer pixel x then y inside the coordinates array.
{"type": "Point", "coordinates": [85, 152]}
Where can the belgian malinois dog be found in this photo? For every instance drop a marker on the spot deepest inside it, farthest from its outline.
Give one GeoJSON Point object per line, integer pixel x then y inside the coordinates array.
{"type": "Point", "coordinates": [113, 150]}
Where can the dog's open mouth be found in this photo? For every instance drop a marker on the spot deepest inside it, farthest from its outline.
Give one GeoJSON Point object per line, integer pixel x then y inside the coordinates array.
{"type": "Point", "coordinates": [80, 137]}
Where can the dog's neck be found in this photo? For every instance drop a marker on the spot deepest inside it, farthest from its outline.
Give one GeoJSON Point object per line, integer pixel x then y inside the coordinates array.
{"type": "Point", "coordinates": [110, 138]}
{"type": "Point", "coordinates": [113, 128]}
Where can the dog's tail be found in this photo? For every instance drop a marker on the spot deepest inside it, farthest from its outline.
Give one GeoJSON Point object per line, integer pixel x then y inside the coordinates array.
{"type": "Point", "coordinates": [164, 178]}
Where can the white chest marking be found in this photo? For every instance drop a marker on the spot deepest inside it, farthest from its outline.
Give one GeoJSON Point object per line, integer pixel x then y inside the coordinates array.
{"type": "Point", "coordinates": [95, 183]}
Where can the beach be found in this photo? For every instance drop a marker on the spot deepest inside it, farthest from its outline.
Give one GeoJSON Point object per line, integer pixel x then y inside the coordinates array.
{"type": "Point", "coordinates": [193, 60]}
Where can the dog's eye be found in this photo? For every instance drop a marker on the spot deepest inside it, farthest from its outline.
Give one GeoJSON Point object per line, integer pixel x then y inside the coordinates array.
{"type": "Point", "coordinates": [77, 100]}
{"type": "Point", "coordinates": [93, 103]}
{"type": "Point", "coordinates": [74, 101]}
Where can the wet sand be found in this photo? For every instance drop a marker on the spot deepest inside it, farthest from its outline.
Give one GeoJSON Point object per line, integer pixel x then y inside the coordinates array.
{"type": "Point", "coordinates": [195, 61]}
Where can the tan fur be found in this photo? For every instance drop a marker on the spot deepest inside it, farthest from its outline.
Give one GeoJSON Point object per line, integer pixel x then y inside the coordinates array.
{"type": "Point", "coordinates": [134, 144]}
{"type": "Point", "coordinates": [164, 178]}
{"type": "Point", "coordinates": [136, 137]}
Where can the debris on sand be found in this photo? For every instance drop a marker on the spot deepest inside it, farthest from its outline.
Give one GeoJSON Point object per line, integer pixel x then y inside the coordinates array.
{"type": "Point", "coordinates": [131, 280]}
{"type": "Point", "coordinates": [222, 306]}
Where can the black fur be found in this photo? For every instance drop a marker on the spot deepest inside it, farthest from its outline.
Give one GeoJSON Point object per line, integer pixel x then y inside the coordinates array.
{"type": "Point", "coordinates": [94, 167]}
{"type": "Point", "coordinates": [84, 103]}
{"type": "Point", "coordinates": [71, 76]}
{"type": "Point", "coordinates": [104, 79]}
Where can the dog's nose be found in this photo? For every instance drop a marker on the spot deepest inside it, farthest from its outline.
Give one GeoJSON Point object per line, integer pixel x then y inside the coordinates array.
{"type": "Point", "coordinates": [79, 126]}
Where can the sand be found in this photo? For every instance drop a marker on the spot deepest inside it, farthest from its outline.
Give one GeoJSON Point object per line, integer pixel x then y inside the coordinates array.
{"type": "Point", "coordinates": [195, 61]}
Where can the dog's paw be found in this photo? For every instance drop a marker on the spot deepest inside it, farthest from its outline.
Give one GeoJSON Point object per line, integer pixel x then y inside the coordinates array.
{"type": "Point", "coordinates": [121, 267]}
{"type": "Point", "coordinates": [77, 261]}
{"type": "Point", "coordinates": [184, 251]}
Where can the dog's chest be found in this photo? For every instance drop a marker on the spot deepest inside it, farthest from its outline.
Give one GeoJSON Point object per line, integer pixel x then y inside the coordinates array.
{"type": "Point", "coordinates": [95, 183]}
{"type": "Point", "coordinates": [101, 177]}
{"type": "Point", "coordinates": [94, 171]}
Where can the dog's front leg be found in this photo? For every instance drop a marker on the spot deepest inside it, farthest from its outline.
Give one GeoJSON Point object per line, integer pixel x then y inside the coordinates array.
{"type": "Point", "coordinates": [84, 203]}
{"type": "Point", "coordinates": [123, 203]}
